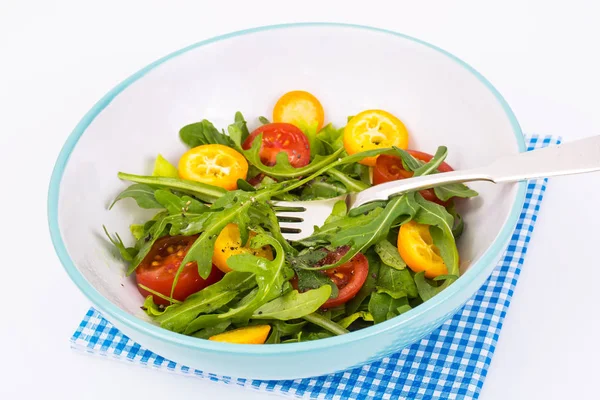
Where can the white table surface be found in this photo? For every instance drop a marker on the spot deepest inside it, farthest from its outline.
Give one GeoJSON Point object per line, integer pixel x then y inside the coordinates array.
{"type": "Point", "coordinates": [57, 59]}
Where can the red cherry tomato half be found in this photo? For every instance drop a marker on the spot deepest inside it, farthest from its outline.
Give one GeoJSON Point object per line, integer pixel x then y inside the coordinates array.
{"type": "Point", "coordinates": [157, 270]}
{"type": "Point", "coordinates": [389, 168]}
{"type": "Point", "coordinates": [278, 137]}
{"type": "Point", "coordinates": [348, 277]}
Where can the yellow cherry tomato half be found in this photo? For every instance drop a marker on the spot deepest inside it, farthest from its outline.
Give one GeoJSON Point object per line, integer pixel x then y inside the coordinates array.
{"type": "Point", "coordinates": [299, 108]}
{"type": "Point", "coordinates": [374, 129]}
{"type": "Point", "coordinates": [214, 164]}
{"type": "Point", "coordinates": [416, 248]}
{"type": "Point", "coordinates": [229, 243]}
{"type": "Point", "coordinates": [255, 334]}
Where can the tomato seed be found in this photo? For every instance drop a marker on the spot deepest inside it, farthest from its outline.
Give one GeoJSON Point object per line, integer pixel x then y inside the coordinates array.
{"type": "Point", "coordinates": [155, 263]}
{"type": "Point", "coordinates": [170, 249]}
{"type": "Point", "coordinates": [179, 253]}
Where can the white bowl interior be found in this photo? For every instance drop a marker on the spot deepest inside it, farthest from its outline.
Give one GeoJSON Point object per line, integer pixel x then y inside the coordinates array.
{"type": "Point", "coordinates": [348, 69]}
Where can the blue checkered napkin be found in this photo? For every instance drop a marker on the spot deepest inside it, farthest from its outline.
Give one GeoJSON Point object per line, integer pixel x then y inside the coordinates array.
{"type": "Point", "coordinates": [450, 363]}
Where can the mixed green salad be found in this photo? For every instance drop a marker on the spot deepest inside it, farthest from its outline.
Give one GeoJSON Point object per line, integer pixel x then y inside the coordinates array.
{"type": "Point", "coordinates": [213, 262]}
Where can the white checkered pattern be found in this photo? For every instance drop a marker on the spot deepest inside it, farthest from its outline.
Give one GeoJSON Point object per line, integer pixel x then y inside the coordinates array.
{"type": "Point", "coordinates": [449, 363]}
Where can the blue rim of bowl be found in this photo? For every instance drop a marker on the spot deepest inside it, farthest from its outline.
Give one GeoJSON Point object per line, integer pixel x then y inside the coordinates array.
{"type": "Point", "coordinates": [144, 327]}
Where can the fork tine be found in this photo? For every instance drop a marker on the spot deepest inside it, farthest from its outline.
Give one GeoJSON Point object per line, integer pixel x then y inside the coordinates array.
{"type": "Point", "coordinates": [298, 219]}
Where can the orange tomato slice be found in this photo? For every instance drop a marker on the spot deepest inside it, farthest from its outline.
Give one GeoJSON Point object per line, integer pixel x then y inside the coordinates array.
{"type": "Point", "coordinates": [214, 164]}
{"type": "Point", "coordinates": [229, 243]}
{"type": "Point", "coordinates": [374, 129]}
{"type": "Point", "coordinates": [299, 108]}
{"type": "Point", "coordinates": [416, 248]}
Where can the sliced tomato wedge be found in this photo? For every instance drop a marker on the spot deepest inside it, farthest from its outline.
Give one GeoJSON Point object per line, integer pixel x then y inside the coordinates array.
{"type": "Point", "coordinates": [157, 270]}
{"type": "Point", "coordinates": [389, 168]}
{"type": "Point", "coordinates": [348, 277]}
{"type": "Point", "coordinates": [278, 137]}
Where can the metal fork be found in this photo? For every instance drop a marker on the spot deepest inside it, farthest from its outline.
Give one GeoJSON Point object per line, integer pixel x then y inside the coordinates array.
{"type": "Point", "coordinates": [298, 219]}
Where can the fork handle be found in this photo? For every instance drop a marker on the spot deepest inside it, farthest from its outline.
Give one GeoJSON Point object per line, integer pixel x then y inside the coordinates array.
{"type": "Point", "coordinates": [575, 157]}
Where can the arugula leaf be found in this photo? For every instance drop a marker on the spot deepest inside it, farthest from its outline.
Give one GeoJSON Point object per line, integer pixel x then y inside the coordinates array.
{"type": "Point", "coordinates": [358, 171]}
{"type": "Point", "coordinates": [382, 306]}
{"type": "Point", "coordinates": [245, 186]}
{"type": "Point", "coordinates": [369, 286]}
{"type": "Point", "coordinates": [261, 214]}
{"type": "Point", "coordinates": [187, 224]}
{"type": "Point", "coordinates": [212, 330]}
{"type": "Point", "coordinates": [351, 184]}
{"type": "Point", "coordinates": [310, 131]}
{"type": "Point", "coordinates": [234, 205]}
{"type": "Point", "coordinates": [306, 258]}
{"type": "Point", "coordinates": [274, 337]}
{"type": "Point", "coordinates": [313, 280]}
{"type": "Point", "coordinates": [325, 323]}
{"type": "Point", "coordinates": [203, 132]}
{"type": "Point", "coordinates": [137, 231]}
{"type": "Point", "coordinates": [151, 308]}
{"type": "Point", "coordinates": [404, 307]}
{"type": "Point", "coordinates": [322, 188]}
{"type": "Point", "coordinates": [160, 295]}
{"type": "Point", "coordinates": [426, 290]}
{"type": "Point", "coordinates": [389, 254]}
{"type": "Point", "coordinates": [176, 205]}
{"type": "Point", "coordinates": [281, 329]}
{"type": "Point", "coordinates": [240, 127]}
{"type": "Point", "coordinates": [362, 237]}
{"type": "Point", "coordinates": [263, 120]}
{"type": "Point", "coordinates": [433, 164]}
{"type": "Point", "coordinates": [327, 233]}
{"type": "Point", "coordinates": [145, 231]}
{"type": "Point", "coordinates": [408, 161]}
{"type": "Point", "coordinates": [268, 182]}
{"type": "Point", "coordinates": [335, 313]}
{"type": "Point", "coordinates": [127, 253]}
{"type": "Point", "coordinates": [396, 283]}
{"type": "Point", "coordinates": [291, 185]}
{"type": "Point", "coordinates": [207, 300]}
{"type": "Point", "coordinates": [202, 322]}
{"type": "Point", "coordinates": [366, 208]}
{"type": "Point", "coordinates": [188, 217]}
{"type": "Point", "coordinates": [202, 191]}
{"type": "Point", "coordinates": [287, 328]}
{"type": "Point", "coordinates": [162, 167]}
{"type": "Point", "coordinates": [346, 322]}
{"type": "Point", "coordinates": [339, 211]}
{"type": "Point", "coordinates": [158, 230]}
{"type": "Point", "coordinates": [446, 192]}
{"type": "Point", "coordinates": [270, 275]}
{"type": "Point", "coordinates": [441, 223]}
{"type": "Point", "coordinates": [314, 336]}
{"type": "Point", "coordinates": [459, 223]}
{"type": "Point", "coordinates": [142, 194]}
{"type": "Point", "coordinates": [293, 305]}
{"type": "Point", "coordinates": [331, 138]}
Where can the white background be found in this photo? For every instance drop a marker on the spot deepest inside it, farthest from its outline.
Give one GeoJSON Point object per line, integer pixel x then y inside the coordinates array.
{"type": "Point", "coordinates": [57, 59]}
